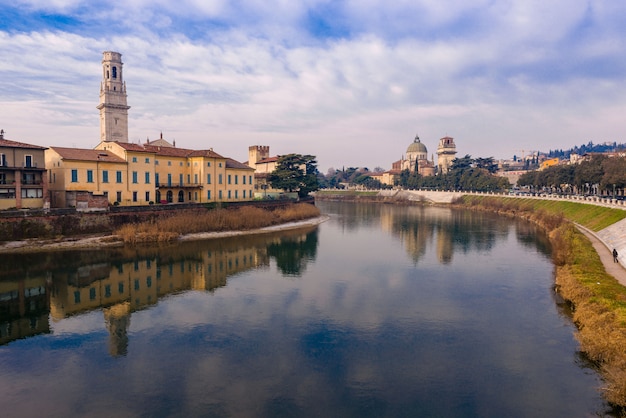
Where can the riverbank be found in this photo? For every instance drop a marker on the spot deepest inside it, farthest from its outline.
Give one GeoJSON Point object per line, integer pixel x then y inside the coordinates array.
{"type": "Point", "coordinates": [112, 241]}
{"type": "Point", "coordinates": [582, 236]}
{"type": "Point", "coordinates": [584, 276]}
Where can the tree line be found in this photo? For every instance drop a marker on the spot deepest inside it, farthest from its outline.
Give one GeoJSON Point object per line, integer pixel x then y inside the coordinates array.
{"type": "Point", "coordinates": [600, 174]}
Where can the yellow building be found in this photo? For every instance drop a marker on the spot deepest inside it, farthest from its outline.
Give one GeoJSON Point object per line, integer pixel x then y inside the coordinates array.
{"type": "Point", "coordinates": [122, 173]}
{"type": "Point", "coordinates": [549, 163]}
{"type": "Point", "coordinates": [86, 178]}
{"type": "Point", "coordinates": [22, 175]}
{"type": "Point", "coordinates": [140, 174]}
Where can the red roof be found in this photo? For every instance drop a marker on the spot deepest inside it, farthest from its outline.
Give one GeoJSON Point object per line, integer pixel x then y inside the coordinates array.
{"type": "Point", "coordinates": [15, 144]}
{"type": "Point", "coordinates": [87, 155]}
{"type": "Point", "coordinates": [230, 163]}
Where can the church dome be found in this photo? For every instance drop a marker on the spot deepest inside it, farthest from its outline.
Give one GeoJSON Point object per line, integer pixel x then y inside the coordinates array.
{"type": "Point", "coordinates": [417, 147]}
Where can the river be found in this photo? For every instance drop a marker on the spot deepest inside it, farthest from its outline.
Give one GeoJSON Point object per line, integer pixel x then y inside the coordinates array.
{"type": "Point", "coordinates": [382, 311]}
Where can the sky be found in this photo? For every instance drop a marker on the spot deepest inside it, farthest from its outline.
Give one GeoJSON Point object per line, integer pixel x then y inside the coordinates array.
{"type": "Point", "coordinates": [351, 82]}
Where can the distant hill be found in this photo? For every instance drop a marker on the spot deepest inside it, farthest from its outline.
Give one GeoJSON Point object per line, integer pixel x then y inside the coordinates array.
{"type": "Point", "coordinates": [583, 149]}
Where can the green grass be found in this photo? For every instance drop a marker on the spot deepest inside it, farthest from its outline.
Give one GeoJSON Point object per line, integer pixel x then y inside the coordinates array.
{"type": "Point", "coordinates": [593, 217]}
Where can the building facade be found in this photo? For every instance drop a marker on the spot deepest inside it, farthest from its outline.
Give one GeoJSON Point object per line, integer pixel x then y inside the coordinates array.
{"type": "Point", "coordinates": [446, 152]}
{"type": "Point", "coordinates": [113, 102]}
{"type": "Point", "coordinates": [23, 182]}
{"type": "Point", "coordinates": [117, 172]}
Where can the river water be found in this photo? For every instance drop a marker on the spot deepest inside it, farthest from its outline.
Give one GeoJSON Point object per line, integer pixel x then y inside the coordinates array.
{"type": "Point", "coordinates": [382, 311]}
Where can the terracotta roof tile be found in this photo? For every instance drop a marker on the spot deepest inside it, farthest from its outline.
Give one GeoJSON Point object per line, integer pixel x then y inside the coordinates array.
{"type": "Point", "coordinates": [230, 163]}
{"type": "Point", "coordinates": [87, 155]}
{"type": "Point", "coordinates": [15, 144]}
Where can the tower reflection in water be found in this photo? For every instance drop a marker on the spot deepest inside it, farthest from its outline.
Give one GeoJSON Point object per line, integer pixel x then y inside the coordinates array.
{"type": "Point", "coordinates": [53, 286]}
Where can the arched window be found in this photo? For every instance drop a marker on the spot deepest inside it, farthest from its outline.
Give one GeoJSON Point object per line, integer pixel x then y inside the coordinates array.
{"type": "Point", "coordinates": [170, 196]}
{"type": "Point", "coordinates": [181, 197]}
{"type": "Point", "coordinates": [114, 72]}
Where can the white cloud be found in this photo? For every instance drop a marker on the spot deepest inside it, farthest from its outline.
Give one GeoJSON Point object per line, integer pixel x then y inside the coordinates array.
{"type": "Point", "coordinates": [495, 75]}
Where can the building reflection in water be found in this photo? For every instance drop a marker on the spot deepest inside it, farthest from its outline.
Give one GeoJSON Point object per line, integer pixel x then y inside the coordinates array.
{"type": "Point", "coordinates": [418, 227]}
{"type": "Point", "coordinates": [72, 283]}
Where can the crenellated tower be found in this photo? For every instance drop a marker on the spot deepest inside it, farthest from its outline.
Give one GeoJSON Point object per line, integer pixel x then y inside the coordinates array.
{"type": "Point", "coordinates": [113, 107]}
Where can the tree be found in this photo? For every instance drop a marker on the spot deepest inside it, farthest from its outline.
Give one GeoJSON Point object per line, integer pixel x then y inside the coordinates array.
{"type": "Point", "coordinates": [295, 173]}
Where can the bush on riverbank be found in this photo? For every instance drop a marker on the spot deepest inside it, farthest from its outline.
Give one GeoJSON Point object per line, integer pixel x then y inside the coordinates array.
{"type": "Point", "coordinates": [599, 301]}
{"type": "Point", "coordinates": [245, 218]}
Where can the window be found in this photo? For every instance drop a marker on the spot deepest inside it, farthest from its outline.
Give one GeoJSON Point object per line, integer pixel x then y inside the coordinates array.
{"type": "Point", "coordinates": [92, 293]}
{"type": "Point", "coordinates": [208, 179]}
{"type": "Point", "coordinates": [3, 160]}
{"type": "Point", "coordinates": [89, 176]}
{"type": "Point", "coordinates": [236, 179]}
{"type": "Point", "coordinates": [208, 164]}
{"type": "Point", "coordinates": [114, 70]}
{"type": "Point", "coordinates": [76, 296]}
{"type": "Point", "coordinates": [236, 194]}
{"type": "Point", "coordinates": [156, 162]}
{"type": "Point", "coordinates": [107, 291]}
{"type": "Point", "coordinates": [156, 179]}
{"type": "Point", "coordinates": [7, 193]}
{"type": "Point", "coordinates": [147, 177]}
{"type": "Point", "coordinates": [180, 179]}
{"type": "Point", "coordinates": [188, 178]}
{"type": "Point", "coordinates": [220, 165]}
{"type": "Point", "coordinates": [169, 163]}
{"type": "Point", "coordinates": [147, 196]}
{"type": "Point", "coordinates": [181, 197]}
{"type": "Point", "coordinates": [180, 164]}
{"type": "Point", "coordinates": [219, 178]}
{"type": "Point", "coordinates": [229, 194]}
{"type": "Point", "coordinates": [220, 194]}
{"type": "Point", "coordinates": [105, 176]}
{"type": "Point", "coordinates": [28, 161]}
{"type": "Point", "coordinates": [243, 178]}
{"type": "Point", "coordinates": [136, 284]}
{"type": "Point", "coordinates": [118, 176]}
{"type": "Point", "coordinates": [118, 197]}
{"type": "Point", "coordinates": [120, 287]}
{"type": "Point", "coordinates": [229, 176]}
{"type": "Point", "coordinates": [134, 159]}
{"type": "Point", "coordinates": [195, 178]}
{"type": "Point", "coordinates": [134, 177]}
{"type": "Point", "coordinates": [28, 178]}
{"type": "Point", "coordinates": [249, 179]}
{"type": "Point", "coordinates": [208, 195]}
{"type": "Point", "coordinates": [32, 193]}
{"type": "Point", "coordinates": [244, 193]}
{"type": "Point", "coordinates": [134, 196]}
{"type": "Point", "coordinates": [74, 176]}
{"type": "Point", "coordinates": [147, 160]}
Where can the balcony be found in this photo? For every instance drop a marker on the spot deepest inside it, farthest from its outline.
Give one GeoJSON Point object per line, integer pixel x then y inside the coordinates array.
{"type": "Point", "coordinates": [179, 185]}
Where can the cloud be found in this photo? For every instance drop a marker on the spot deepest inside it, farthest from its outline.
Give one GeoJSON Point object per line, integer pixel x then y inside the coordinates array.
{"type": "Point", "coordinates": [336, 78]}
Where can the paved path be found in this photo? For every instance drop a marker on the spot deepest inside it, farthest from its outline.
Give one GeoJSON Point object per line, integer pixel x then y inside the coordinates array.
{"type": "Point", "coordinates": [605, 252]}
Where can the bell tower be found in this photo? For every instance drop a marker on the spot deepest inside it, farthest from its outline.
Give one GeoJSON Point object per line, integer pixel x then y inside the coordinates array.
{"type": "Point", "coordinates": [113, 107]}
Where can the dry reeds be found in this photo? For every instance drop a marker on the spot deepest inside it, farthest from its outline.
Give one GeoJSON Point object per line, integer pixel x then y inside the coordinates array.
{"type": "Point", "coordinates": [246, 218]}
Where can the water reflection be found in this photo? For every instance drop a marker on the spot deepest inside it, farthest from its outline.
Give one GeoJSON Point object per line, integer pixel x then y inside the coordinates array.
{"type": "Point", "coordinates": [399, 311]}
{"type": "Point", "coordinates": [122, 281]}
{"type": "Point", "coordinates": [419, 227]}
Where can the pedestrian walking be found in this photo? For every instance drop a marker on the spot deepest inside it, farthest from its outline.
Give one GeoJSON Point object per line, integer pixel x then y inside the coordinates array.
{"type": "Point", "coordinates": [615, 255]}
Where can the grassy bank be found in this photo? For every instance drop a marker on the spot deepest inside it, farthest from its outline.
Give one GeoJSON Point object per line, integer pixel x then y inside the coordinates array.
{"type": "Point", "coordinates": [598, 300]}
{"type": "Point", "coordinates": [245, 218]}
